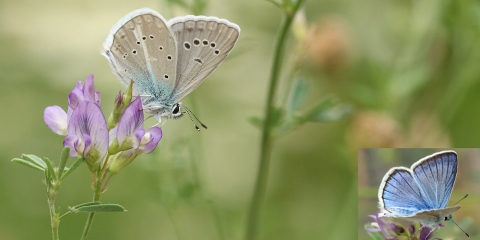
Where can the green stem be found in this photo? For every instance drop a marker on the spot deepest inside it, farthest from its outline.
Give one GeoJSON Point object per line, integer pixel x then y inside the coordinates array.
{"type": "Point", "coordinates": [54, 219]}
{"type": "Point", "coordinates": [96, 197]}
{"type": "Point", "coordinates": [266, 142]}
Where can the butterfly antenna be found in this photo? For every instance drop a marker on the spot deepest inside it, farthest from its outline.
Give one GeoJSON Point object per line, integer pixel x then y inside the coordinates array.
{"type": "Point", "coordinates": [190, 112]}
{"type": "Point", "coordinates": [191, 119]}
{"type": "Point", "coordinates": [460, 227]}
{"type": "Point", "coordinates": [461, 199]}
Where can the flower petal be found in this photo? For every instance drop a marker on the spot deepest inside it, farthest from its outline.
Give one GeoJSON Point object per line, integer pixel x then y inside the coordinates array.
{"type": "Point", "coordinates": [150, 140]}
{"type": "Point", "coordinates": [131, 120]}
{"type": "Point", "coordinates": [76, 95]}
{"type": "Point", "coordinates": [88, 90]}
{"type": "Point", "coordinates": [88, 121]}
{"type": "Point", "coordinates": [56, 119]}
{"type": "Point", "coordinates": [70, 141]}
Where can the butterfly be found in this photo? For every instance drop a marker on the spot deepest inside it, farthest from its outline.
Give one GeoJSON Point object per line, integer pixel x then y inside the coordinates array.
{"type": "Point", "coordinates": [421, 193]}
{"type": "Point", "coordinates": [167, 60]}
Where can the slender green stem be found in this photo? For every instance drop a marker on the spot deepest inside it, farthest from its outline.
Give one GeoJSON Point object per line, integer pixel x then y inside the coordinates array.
{"type": "Point", "coordinates": [266, 142]}
{"type": "Point", "coordinates": [98, 179]}
{"type": "Point", "coordinates": [52, 191]}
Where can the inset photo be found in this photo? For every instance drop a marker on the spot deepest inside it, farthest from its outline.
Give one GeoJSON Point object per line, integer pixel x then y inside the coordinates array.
{"type": "Point", "coordinates": [418, 193]}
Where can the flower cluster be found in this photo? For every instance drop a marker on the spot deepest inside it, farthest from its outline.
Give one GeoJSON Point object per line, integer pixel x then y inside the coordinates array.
{"type": "Point", "coordinates": [393, 231]}
{"type": "Point", "coordinates": [87, 134]}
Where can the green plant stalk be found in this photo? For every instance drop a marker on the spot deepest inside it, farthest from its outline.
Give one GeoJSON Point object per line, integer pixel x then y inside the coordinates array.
{"type": "Point", "coordinates": [52, 190]}
{"type": "Point", "coordinates": [266, 142]}
{"type": "Point", "coordinates": [96, 197]}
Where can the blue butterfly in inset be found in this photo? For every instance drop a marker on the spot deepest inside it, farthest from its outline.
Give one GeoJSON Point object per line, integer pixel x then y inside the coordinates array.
{"type": "Point", "coordinates": [421, 193]}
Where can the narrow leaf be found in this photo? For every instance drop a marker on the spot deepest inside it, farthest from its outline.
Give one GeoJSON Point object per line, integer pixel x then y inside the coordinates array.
{"type": "Point", "coordinates": [256, 122]}
{"type": "Point", "coordinates": [35, 160]}
{"type": "Point", "coordinates": [85, 204]}
{"type": "Point", "coordinates": [72, 168]}
{"type": "Point", "coordinates": [298, 95]}
{"type": "Point", "coordinates": [63, 161]}
{"type": "Point", "coordinates": [50, 171]}
{"type": "Point", "coordinates": [28, 164]}
{"type": "Point", "coordinates": [329, 110]}
{"type": "Point", "coordinates": [103, 207]}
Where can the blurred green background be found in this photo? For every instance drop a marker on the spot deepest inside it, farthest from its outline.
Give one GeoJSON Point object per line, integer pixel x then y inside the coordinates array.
{"type": "Point", "coordinates": [374, 163]}
{"type": "Point", "coordinates": [409, 68]}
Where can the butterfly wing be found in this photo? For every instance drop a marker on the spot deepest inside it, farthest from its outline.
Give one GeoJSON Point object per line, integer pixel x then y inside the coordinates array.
{"type": "Point", "coordinates": [432, 217]}
{"type": "Point", "coordinates": [141, 47]}
{"type": "Point", "coordinates": [435, 175]}
{"type": "Point", "coordinates": [203, 43]}
{"type": "Point", "coordinates": [399, 195]}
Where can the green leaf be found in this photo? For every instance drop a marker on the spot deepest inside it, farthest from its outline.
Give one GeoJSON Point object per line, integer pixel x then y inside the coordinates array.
{"type": "Point", "coordinates": [50, 170]}
{"type": "Point", "coordinates": [63, 161]}
{"type": "Point", "coordinates": [328, 111]}
{"type": "Point", "coordinates": [101, 207]}
{"type": "Point", "coordinates": [35, 160]}
{"type": "Point", "coordinates": [277, 117]}
{"type": "Point", "coordinates": [298, 95]}
{"type": "Point", "coordinates": [28, 164]}
{"type": "Point", "coordinates": [72, 168]}
{"type": "Point", "coordinates": [85, 204]}
{"type": "Point", "coordinates": [256, 122]}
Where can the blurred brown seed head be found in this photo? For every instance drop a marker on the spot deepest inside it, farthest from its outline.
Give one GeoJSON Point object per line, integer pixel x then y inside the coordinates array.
{"type": "Point", "coordinates": [327, 44]}
{"type": "Point", "coordinates": [370, 129]}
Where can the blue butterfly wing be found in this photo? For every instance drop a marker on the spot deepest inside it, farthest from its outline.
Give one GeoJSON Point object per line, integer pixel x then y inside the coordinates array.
{"type": "Point", "coordinates": [399, 195]}
{"type": "Point", "coordinates": [435, 176]}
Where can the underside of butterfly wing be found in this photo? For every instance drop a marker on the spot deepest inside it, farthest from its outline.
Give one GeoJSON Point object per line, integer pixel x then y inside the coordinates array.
{"type": "Point", "coordinates": [141, 48]}
{"type": "Point", "coordinates": [203, 43]}
{"type": "Point", "coordinates": [431, 217]}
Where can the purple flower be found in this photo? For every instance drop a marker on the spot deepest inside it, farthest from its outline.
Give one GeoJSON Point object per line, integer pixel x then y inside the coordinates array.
{"type": "Point", "coordinates": [56, 118]}
{"type": "Point", "coordinates": [381, 228]}
{"type": "Point", "coordinates": [129, 139]}
{"type": "Point", "coordinates": [88, 133]}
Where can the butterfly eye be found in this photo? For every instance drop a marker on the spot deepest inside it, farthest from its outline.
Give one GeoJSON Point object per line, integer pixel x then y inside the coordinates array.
{"type": "Point", "coordinates": [176, 109]}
